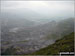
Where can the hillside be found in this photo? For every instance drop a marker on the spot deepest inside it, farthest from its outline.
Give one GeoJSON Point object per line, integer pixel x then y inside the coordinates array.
{"type": "Point", "coordinates": [65, 44]}
{"type": "Point", "coordinates": [66, 26]}
{"type": "Point", "coordinates": [27, 39]}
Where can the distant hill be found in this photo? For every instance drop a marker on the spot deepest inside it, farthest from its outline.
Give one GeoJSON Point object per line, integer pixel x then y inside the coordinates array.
{"type": "Point", "coordinates": [66, 26]}
{"type": "Point", "coordinates": [65, 44]}
{"type": "Point", "coordinates": [59, 29]}
{"type": "Point", "coordinates": [7, 24]}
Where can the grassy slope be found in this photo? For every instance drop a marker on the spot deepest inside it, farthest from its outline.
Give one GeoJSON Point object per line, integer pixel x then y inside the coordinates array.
{"type": "Point", "coordinates": [65, 44]}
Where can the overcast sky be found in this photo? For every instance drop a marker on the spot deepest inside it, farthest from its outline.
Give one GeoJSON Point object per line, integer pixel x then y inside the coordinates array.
{"type": "Point", "coordinates": [47, 8]}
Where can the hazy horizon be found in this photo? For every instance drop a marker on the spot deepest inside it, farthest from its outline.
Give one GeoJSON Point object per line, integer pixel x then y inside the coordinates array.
{"type": "Point", "coordinates": [45, 9]}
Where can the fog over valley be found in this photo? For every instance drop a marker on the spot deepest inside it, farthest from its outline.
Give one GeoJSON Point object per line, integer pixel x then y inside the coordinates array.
{"type": "Point", "coordinates": [28, 26]}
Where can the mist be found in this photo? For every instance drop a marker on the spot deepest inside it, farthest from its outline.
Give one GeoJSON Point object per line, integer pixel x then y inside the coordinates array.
{"type": "Point", "coordinates": [39, 10]}
{"type": "Point", "coordinates": [29, 26]}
